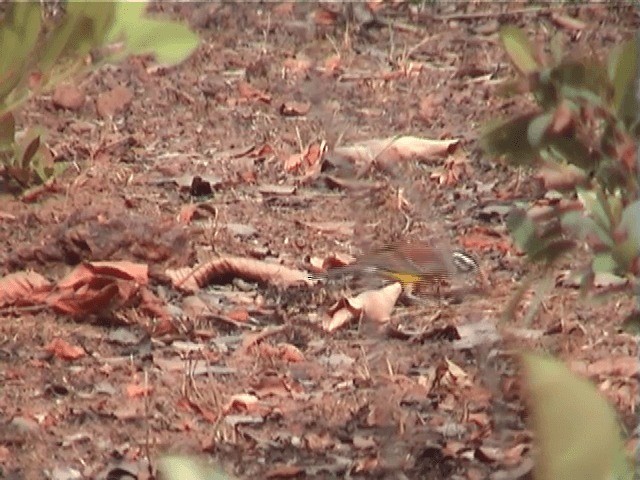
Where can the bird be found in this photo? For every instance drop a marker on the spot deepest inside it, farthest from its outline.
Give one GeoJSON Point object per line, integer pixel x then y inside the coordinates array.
{"type": "Point", "coordinates": [413, 264]}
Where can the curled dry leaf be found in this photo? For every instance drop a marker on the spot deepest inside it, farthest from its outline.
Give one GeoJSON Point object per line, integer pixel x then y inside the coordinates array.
{"type": "Point", "coordinates": [321, 265]}
{"type": "Point", "coordinates": [23, 288]}
{"type": "Point", "coordinates": [292, 108]}
{"type": "Point", "coordinates": [249, 92]}
{"type": "Point", "coordinates": [290, 353]}
{"type": "Point", "coordinates": [241, 402]}
{"type": "Point", "coordinates": [223, 270]}
{"type": "Point", "coordinates": [333, 63]}
{"type": "Point", "coordinates": [97, 287]}
{"type": "Point", "coordinates": [387, 151]}
{"type": "Point", "coordinates": [566, 22]}
{"type": "Point", "coordinates": [122, 270]}
{"type": "Point", "coordinates": [309, 162]}
{"type": "Point", "coordinates": [452, 171]}
{"type": "Point", "coordinates": [63, 350]}
{"type": "Point", "coordinates": [453, 374]}
{"type": "Point", "coordinates": [283, 351]}
{"type": "Point", "coordinates": [375, 305]}
{"type": "Point", "coordinates": [297, 66]}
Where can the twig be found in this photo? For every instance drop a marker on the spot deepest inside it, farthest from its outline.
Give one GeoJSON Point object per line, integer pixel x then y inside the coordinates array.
{"type": "Point", "coordinates": [475, 15]}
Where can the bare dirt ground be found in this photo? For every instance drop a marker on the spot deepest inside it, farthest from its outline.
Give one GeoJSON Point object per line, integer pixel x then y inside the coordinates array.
{"type": "Point", "coordinates": [212, 159]}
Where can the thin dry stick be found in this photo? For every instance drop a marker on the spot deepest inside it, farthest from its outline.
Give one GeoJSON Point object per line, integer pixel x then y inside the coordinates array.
{"type": "Point", "coordinates": [477, 15]}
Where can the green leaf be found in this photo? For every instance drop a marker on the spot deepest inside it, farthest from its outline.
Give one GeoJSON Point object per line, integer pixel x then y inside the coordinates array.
{"type": "Point", "coordinates": [604, 263]}
{"type": "Point", "coordinates": [571, 150]}
{"type": "Point", "coordinates": [7, 131]}
{"type": "Point", "coordinates": [581, 226]}
{"type": "Point", "coordinates": [522, 228]}
{"type": "Point", "coordinates": [612, 175]}
{"type": "Point", "coordinates": [11, 65]}
{"type": "Point", "coordinates": [170, 42]}
{"type": "Point", "coordinates": [60, 38]}
{"type": "Point", "coordinates": [623, 67]}
{"type": "Point", "coordinates": [510, 139]}
{"type": "Point", "coordinates": [544, 89]}
{"type": "Point", "coordinates": [593, 205]}
{"type": "Point", "coordinates": [631, 323]}
{"type": "Point", "coordinates": [552, 249]}
{"type": "Point", "coordinates": [616, 208]}
{"type": "Point", "coordinates": [126, 17]}
{"type": "Point", "coordinates": [20, 175]}
{"type": "Point", "coordinates": [557, 47]}
{"type": "Point", "coordinates": [30, 151]}
{"type": "Point", "coordinates": [18, 36]}
{"type": "Point", "coordinates": [184, 467]}
{"type": "Point", "coordinates": [84, 27]}
{"type": "Point", "coordinates": [582, 79]}
{"type": "Point", "coordinates": [538, 128]}
{"type": "Point", "coordinates": [576, 429]}
{"type": "Point", "coordinates": [25, 20]}
{"type": "Point", "coordinates": [519, 49]}
{"type": "Point", "coordinates": [630, 223]}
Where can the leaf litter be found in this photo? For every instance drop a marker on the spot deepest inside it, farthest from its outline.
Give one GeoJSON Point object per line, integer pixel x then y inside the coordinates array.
{"type": "Point", "coordinates": [241, 355]}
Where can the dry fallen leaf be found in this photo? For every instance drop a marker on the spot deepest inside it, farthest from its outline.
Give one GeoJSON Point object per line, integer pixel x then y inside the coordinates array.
{"type": "Point", "coordinates": [292, 108]}
{"type": "Point", "coordinates": [241, 402]}
{"type": "Point", "coordinates": [249, 92]}
{"type": "Point", "coordinates": [226, 268]}
{"type": "Point", "coordinates": [284, 471]}
{"type": "Point", "coordinates": [114, 101]}
{"type": "Point", "coordinates": [97, 287]}
{"type": "Point", "coordinates": [453, 169]}
{"type": "Point", "coordinates": [23, 288]}
{"type": "Point", "coordinates": [388, 151]}
{"type": "Point", "coordinates": [333, 63]}
{"type": "Point", "coordinates": [567, 22]}
{"type": "Point", "coordinates": [297, 66]}
{"type": "Point", "coordinates": [63, 350]}
{"type": "Point", "coordinates": [134, 390]}
{"type": "Point", "coordinates": [307, 163]}
{"type": "Point", "coordinates": [375, 305]}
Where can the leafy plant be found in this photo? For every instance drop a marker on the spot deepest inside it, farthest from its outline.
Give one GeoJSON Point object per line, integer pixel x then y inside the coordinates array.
{"type": "Point", "coordinates": [37, 54]}
{"type": "Point", "coordinates": [581, 141]}
{"type": "Point", "coordinates": [183, 467]}
{"type": "Point", "coordinates": [577, 430]}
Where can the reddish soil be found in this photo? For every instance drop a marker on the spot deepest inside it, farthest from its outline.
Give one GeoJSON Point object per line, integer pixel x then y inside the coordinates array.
{"type": "Point", "coordinates": [242, 371]}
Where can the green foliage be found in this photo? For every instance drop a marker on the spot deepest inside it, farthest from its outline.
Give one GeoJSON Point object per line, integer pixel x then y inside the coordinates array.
{"type": "Point", "coordinates": [576, 429]}
{"type": "Point", "coordinates": [581, 139]}
{"type": "Point", "coordinates": [37, 55]}
{"type": "Point", "coordinates": [191, 468]}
